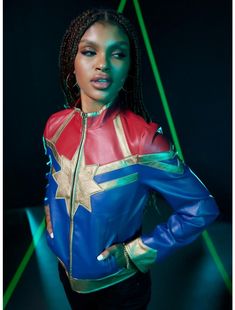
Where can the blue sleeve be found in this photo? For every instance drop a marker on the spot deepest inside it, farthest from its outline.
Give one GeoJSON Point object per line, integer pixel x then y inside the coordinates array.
{"type": "Point", "coordinates": [193, 206]}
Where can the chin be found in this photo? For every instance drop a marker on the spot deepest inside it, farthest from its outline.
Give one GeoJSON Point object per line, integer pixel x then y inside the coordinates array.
{"type": "Point", "coordinates": [104, 101]}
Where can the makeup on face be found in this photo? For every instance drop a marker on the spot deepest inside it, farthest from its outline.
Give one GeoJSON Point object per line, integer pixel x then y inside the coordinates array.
{"type": "Point", "coordinates": [101, 64]}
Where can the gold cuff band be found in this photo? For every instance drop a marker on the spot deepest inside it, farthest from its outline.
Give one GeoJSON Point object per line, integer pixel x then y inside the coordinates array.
{"type": "Point", "coordinates": [140, 254]}
{"type": "Point", "coordinates": [128, 261]}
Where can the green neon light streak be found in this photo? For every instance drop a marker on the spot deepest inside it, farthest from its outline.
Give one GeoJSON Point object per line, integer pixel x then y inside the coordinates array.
{"type": "Point", "coordinates": [121, 6]}
{"type": "Point", "coordinates": [217, 260]}
{"type": "Point", "coordinates": [205, 235]}
{"type": "Point", "coordinates": [14, 281]}
{"type": "Point", "coordinates": [12, 285]}
{"type": "Point", "coordinates": [158, 79]}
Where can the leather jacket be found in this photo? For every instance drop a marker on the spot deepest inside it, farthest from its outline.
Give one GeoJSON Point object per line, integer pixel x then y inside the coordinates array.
{"type": "Point", "coordinates": [102, 166]}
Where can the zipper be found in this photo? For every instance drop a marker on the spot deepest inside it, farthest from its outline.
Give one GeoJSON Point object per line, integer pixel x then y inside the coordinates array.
{"type": "Point", "coordinates": [73, 191]}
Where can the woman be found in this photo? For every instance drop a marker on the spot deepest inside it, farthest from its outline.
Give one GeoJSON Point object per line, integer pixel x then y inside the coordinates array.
{"type": "Point", "coordinates": [105, 157]}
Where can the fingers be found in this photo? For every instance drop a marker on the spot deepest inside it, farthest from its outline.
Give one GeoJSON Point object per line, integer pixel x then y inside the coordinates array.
{"type": "Point", "coordinates": [115, 250]}
{"type": "Point", "coordinates": [106, 253]}
{"type": "Point", "coordinates": [48, 221]}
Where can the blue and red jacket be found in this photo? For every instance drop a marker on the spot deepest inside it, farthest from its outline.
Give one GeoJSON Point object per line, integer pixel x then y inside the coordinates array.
{"type": "Point", "coordinates": [103, 165]}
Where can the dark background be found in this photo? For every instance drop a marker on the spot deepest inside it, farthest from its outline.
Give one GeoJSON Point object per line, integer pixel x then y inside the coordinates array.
{"type": "Point", "coordinates": [191, 41]}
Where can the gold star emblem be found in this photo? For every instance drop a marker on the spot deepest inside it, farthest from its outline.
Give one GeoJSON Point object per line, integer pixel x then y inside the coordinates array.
{"type": "Point", "coordinates": [83, 183]}
{"type": "Point", "coordinates": [85, 186]}
{"type": "Point", "coordinates": [76, 182]}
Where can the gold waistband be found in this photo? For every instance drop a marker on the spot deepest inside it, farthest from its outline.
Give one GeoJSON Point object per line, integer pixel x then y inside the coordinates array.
{"type": "Point", "coordinates": [92, 285]}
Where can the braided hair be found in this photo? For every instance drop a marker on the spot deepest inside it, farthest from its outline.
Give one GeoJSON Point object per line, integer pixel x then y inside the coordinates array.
{"type": "Point", "coordinates": [130, 95]}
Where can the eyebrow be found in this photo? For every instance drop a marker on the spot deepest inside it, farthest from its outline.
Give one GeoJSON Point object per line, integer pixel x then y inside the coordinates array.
{"type": "Point", "coordinates": [117, 43]}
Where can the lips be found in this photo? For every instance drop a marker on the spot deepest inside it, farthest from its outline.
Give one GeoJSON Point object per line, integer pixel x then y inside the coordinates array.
{"type": "Point", "coordinates": [101, 81]}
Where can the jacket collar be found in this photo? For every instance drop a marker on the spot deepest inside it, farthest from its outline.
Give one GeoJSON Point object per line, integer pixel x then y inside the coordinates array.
{"type": "Point", "coordinates": [92, 114]}
{"type": "Point", "coordinates": [97, 119]}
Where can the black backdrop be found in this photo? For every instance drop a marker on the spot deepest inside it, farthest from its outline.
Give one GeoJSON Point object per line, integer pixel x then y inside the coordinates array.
{"type": "Point", "coordinates": [192, 44]}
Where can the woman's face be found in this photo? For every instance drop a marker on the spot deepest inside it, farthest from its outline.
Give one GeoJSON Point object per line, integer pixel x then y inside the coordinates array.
{"type": "Point", "coordinates": [102, 63]}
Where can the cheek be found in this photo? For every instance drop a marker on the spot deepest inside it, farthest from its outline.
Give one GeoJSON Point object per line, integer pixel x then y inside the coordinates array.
{"type": "Point", "coordinates": [121, 70]}
{"type": "Point", "coordinates": [122, 75]}
{"type": "Point", "coordinates": [79, 66]}
{"type": "Point", "coordinates": [125, 69]}
{"type": "Point", "coordinates": [81, 71]}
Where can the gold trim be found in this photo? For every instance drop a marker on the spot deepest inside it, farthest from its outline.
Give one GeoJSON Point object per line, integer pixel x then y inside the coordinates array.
{"type": "Point", "coordinates": [61, 128]}
{"type": "Point", "coordinates": [121, 137]}
{"type": "Point", "coordinates": [140, 254]}
{"type": "Point", "coordinates": [97, 113]}
{"type": "Point", "coordinates": [119, 182]}
{"type": "Point", "coordinates": [156, 157]}
{"type": "Point", "coordinates": [166, 167]}
{"type": "Point", "coordinates": [84, 184]}
{"type": "Point", "coordinates": [154, 161]}
{"type": "Point", "coordinates": [92, 285]}
{"type": "Point", "coordinates": [52, 146]}
{"type": "Point", "coordinates": [119, 164]}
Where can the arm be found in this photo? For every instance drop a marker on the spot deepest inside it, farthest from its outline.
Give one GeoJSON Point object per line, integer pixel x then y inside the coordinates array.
{"type": "Point", "coordinates": [193, 206]}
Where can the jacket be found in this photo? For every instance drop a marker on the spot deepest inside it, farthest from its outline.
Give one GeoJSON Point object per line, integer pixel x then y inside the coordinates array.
{"type": "Point", "coordinates": [102, 166]}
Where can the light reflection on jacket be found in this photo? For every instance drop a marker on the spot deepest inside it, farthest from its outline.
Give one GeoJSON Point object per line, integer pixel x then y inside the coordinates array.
{"type": "Point", "coordinates": [102, 167]}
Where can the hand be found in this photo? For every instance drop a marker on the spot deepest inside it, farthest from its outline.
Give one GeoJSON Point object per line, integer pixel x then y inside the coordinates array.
{"type": "Point", "coordinates": [116, 250]}
{"type": "Point", "coordinates": [48, 221]}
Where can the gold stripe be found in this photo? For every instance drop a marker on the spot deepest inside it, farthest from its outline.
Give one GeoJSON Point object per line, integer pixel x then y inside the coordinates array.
{"type": "Point", "coordinates": [154, 161]}
{"type": "Point", "coordinates": [166, 167]}
{"type": "Point", "coordinates": [121, 137]}
{"type": "Point", "coordinates": [156, 157]}
{"type": "Point", "coordinates": [151, 160]}
{"type": "Point", "coordinates": [52, 146]}
{"type": "Point", "coordinates": [92, 285]}
{"type": "Point", "coordinates": [119, 182]}
{"type": "Point", "coordinates": [128, 161]}
{"type": "Point", "coordinates": [61, 128]}
{"type": "Point", "coordinates": [140, 254]}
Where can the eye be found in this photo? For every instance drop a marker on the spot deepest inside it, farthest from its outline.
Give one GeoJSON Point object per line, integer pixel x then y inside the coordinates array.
{"type": "Point", "coordinates": [88, 53]}
{"type": "Point", "coordinates": [118, 55]}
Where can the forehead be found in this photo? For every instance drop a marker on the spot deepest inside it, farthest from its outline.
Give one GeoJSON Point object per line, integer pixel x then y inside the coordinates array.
{"type": "Point", "coordinates": [103, 32]}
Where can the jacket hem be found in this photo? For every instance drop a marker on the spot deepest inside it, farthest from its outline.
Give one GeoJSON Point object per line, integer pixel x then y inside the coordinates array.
{"type": "Point", "coordinates": [91, 285]}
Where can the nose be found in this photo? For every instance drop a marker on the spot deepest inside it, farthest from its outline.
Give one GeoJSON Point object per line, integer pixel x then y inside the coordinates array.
{"type": "Point", "coordinates": [102, 67]}
{"type": "Point", "coordinates": [102, 64]}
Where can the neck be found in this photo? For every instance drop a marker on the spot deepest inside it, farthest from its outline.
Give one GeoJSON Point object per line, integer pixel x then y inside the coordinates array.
{"type": "Point", "coordinates": [91, 107]}
{"type": "Point", "coordinates": [88, 105]}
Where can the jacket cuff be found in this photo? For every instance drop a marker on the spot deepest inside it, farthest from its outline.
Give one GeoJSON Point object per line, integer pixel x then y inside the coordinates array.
{"type": "Point", "coordinates": [140, 254]}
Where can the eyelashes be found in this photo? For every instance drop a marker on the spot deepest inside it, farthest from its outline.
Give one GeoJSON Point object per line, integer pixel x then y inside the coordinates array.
{"type": "Point", "coordinates": [88, 53]}
{"type": "Point", "coordinates": [119, 55]}
{"type": "Point", "coordinates": [115, 54]}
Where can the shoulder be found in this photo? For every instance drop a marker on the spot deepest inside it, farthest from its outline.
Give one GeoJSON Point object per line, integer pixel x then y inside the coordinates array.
{"type": "Point", "coordinates": [150, 135]}
{"type": "Point", "coordinates": [59, 116]}
{"type": "Point", "coordinates": [55, 120]}
{"type": "Point", "coordinates": [153, 140]}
